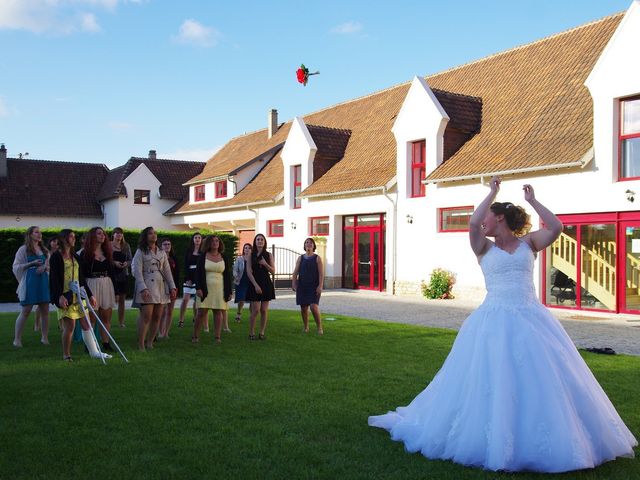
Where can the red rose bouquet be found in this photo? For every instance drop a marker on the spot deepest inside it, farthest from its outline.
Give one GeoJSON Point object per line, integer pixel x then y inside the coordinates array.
{"type": "Point", "coordinates": [303, 74]}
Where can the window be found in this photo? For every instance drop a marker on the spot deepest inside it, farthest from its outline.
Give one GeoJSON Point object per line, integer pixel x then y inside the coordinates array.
{"type": "Point", "coordinates": [198, 193]}
{"type": "Point", "coordinates": [418, 168]}
{"type": "Point", "coordinates": [454, 219]}
{"type": "Point", "coordinates": [141, 197]}
{"type": "Point", "coordinates": [319, 226]}
{"type": "Point", "coordinates": [629, 140]}
{"type": "Point", "coordinates": [221, 189]}
{"type": "Point", "coordinates": [296, 176]}
{"type": "Point", "coordinates": [275, 228]}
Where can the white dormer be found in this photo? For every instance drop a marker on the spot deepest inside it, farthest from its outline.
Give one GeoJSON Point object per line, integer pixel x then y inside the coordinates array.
{"type": "Point", "coordinates": [142, 186]}
{"type": "Point", "coordinates": [297, 158]}
{"type": "Point", "coordinates": [419, 132]}
{"type": "Point", "coordinates": [614, 84]}
{"type": "Point", "coordinates": [214, 190]}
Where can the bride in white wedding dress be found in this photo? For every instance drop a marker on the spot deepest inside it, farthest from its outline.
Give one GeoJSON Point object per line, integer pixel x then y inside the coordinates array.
{"type": "Point", "coordinates": [514, 393]}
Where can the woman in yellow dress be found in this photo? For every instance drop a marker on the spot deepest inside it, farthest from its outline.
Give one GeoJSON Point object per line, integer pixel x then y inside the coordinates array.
{"type": "Point", "coordinates": [213, 285]}
{"type": "Point", "coordinates": [65, 268]}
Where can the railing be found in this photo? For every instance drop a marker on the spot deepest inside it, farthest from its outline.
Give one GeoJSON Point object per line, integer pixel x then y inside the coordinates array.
{"type": "Point", "coordinates": [285, 262]}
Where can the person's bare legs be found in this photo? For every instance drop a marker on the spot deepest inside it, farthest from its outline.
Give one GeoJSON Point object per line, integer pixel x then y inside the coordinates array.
{"type": "Point", "coordinates": [203, 313]}
{"type": "Point", "coordinates": [68, 325]}
{"type": "Point", "coordinates": [315, 310]}
{"type": "Point", "coordinates": [43, 310]}
{"type": "Point", "coordinates": [239, 314]}
{"type": "Point", "coordinates": [105, 317]}
{"type": "Point", "coordinates": [36, 324]}
{"type": "Point", "coordinates": [264, 316]}
{"type": "Point", "coordinates": [121, 310]}
{"type": "Point", "coordinates": [20, 321]}
{"type": "Point", "coordinates": [304, 312]}
{"type": "Point", "coordinates": [218, 319]}
{"type": "Point", "coordinates": [225, 321]}
{"type": "Point", "coordinates": [183, 308]}
{"type": "Point", "coordinates": [167, 319]}
{"type": "Point", "coordinates": [144, 320]}
{"type": "Point", "coordinates": [158, 310]}
{"type": "Point", "coordinates": [253, 313]}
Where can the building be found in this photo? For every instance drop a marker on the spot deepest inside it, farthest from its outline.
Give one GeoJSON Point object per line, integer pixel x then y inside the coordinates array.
{"type": "Point", "coordinates": [68, 194]}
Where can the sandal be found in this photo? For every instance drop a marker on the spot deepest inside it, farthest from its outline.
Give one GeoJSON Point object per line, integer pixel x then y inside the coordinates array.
{"type": "Point", "coordinates": [195, 339]}
{"type": "Point", "coordinates": [180, 323]}
{"type": "Point", "coordinates": [218, 340]}
{"type": "Point", "coordinates": [238, 318]}
{"type": "Point", "coordinates": [262, 337]}
{"type": "Point", "coordinates": [252, 337]}
{"type": "Point", "coordinates": [67, 359]}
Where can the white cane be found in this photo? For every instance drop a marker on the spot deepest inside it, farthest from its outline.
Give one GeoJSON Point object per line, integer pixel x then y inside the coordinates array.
{"type": "Point", "coordinates": [75, 288]}
{"type": "Point", "coordinates": [85, 296]}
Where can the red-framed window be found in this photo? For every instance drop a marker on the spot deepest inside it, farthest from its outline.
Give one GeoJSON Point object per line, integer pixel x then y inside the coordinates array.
{"type": "Point", "coordinates": [296, 177]}
{"type": "Point", "coordinates": [318, 226]}
{"type": "Point", "coordinates": [142, 197]}
{"type": "Point", "coordinates": [629, 139]}
{"type": "Point", "coordinates": [418, 168]}
{"type": "Point", "coordinates": [454, 219]}
{"type": "Point", "coordinates": [221, 189]}
{"type": "Point", "coordinates": [198, 193]}
{"type": "Point", "coordinates": [275, 228]}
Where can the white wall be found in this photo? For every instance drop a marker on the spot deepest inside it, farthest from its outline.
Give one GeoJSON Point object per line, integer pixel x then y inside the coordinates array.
{"type": "Point", "coordinates": [299, 149]}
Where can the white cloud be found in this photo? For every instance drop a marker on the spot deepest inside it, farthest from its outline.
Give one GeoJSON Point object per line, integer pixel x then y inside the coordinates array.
{"type": "Point", "coordinates": [193, 32]}
{"type": "Point", "coordinates": [348, 28]}
{"type": "Point", "coordinates": [89, 23]}
{"type": "Point", "coordinates": [4, 110]}
{"type": "Point", "coordinates": [60, 17]}
{"type": "Point", "coordinates": [120, 126]}
{"type": "Point", "coordinates": [196, 155]}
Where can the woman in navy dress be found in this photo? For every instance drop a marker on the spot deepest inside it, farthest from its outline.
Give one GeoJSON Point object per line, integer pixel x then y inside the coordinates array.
{"type": "Point", "coordinates": [260, 291]}
{"type": "Point", "coordinates": [188, 289]}
{"type": "Point", "coordinates": [31, 269]}
{"type": "Point", "coordinates": [307, 282]}
{"type": "Point", "coordinates": [240, 278]}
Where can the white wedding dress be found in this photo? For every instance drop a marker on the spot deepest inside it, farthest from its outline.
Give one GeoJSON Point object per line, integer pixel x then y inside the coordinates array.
{"type": "Point", "coordinates": [514, 393]}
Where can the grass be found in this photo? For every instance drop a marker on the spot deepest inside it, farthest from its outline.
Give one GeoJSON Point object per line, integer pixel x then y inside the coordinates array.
{"type": "Point", "coordinates": [294, 406]}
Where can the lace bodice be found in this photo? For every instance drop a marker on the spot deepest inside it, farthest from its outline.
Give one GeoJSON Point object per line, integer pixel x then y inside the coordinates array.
{"type": "Point", "coordinates": [509, 276]}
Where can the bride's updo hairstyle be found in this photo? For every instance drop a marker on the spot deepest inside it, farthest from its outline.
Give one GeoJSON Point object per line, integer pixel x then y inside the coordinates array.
{"type": "Point", "coordinates": [516, 217]}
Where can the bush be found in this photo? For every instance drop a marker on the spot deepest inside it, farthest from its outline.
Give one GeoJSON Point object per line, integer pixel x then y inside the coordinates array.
{"type": "Point", "coordinates": [12, 238]}
{"type": "Point", "coordinates": [439, 285]}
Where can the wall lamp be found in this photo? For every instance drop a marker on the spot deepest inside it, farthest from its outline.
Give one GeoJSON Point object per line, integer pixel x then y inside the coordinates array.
{"type": "Point", "coordinates": [409, 218]}
{"type": "Point", "coordinates": [630, 195]}
{"type": "Point", "coordinates": [293, 225]}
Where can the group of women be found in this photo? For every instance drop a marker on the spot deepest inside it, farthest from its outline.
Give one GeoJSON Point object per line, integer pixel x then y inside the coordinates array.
{"type": "Point", "coordinates": [101, 266]}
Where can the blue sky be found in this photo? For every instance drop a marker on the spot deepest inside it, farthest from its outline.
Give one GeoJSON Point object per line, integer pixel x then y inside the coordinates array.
{"type": "Point", "coordinates": [104, 80]}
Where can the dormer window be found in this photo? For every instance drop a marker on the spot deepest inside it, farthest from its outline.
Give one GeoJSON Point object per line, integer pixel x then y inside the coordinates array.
{"type": "Point", "coordinates": [198, 193]}
{"type": "Point", "coordinates": [141, 197]}
{"type": "Point", "coordinates": [221, 189]}
{"type": "Point", "coordinates": [629, 138]}
{"type": "Point", "coordinates": [296, 178]}
{"type": "Point", "coordinates": [418, 168]}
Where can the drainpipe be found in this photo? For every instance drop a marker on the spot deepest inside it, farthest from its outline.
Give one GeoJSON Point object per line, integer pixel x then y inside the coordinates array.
{"type": "Point", "coordinates": [235, 185]}
{"type": "Point", "coordinates": [255, 214]}
{"type": "Point", "coordinates": [395, 236]}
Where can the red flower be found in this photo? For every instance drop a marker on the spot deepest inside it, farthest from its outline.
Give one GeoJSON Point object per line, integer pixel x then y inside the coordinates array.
{"type": "Point", "coordinates": [303, 74]}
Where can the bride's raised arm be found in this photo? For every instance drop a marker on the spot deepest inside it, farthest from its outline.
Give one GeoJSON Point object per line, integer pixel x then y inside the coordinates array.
{"type": "Point", "coordinates": [541, 239]}
{"type": "Point", "coordinates": [480, 243]}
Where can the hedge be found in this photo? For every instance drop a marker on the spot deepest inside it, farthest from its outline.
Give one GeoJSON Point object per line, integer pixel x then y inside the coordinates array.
{"type": "Point", "coordinates": [12, 238]}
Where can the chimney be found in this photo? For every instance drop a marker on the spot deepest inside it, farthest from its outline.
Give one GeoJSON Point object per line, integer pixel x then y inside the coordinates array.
{"type": "Point", "coordinates": [152, 154]}
{"type": "Point", "coordinates": [273, 122]}
{"type": "Point", "coordinates": [3, 161]}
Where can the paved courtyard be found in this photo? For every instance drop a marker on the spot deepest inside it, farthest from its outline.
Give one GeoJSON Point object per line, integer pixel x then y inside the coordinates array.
{"type": "Point", "coordinates": [622, 333]}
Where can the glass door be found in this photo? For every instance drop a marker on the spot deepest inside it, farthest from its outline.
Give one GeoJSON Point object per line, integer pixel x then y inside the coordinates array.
{"type": "Point", "coordinates": [630, 263]}
{"type": "Point", "coordinates": [364, 259]}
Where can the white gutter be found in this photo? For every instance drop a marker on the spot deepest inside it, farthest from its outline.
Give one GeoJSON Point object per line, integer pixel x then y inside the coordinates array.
{"type": "Point", "coordinates": [346, 192]}
{"type": "Point", "coordinates": [583, 162]}
{"type": "Point", "coordinates": [394, 254]}
{"type": "Point", "coordinates": [265, 202]}
{"type": "Point", "coordinates": [205, 180]}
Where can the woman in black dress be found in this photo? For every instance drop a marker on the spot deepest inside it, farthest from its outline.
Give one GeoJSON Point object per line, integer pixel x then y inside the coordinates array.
{"type": "Point", "coordinates": [307, 282]}
{"type": "Point", "coordinates": [188, 289]}
{"type": "Point", "coordinates": [260, 291]}
{"type": "Point", "coordinates": [167, 316]}
{"type": "Point", "coordinates": [121, 262]}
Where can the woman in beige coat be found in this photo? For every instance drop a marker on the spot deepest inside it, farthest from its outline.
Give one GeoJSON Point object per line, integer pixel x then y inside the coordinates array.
{"type": "Point", "coordinates": [154, 286]}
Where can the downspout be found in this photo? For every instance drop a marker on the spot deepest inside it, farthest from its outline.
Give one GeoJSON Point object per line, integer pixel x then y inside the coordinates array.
{"type": "Point", "coordinates": [235, 185]}
{"type": "Point", "coordinates": [255, 214]}
{"type": "Point", "coordinates": [395, 247]}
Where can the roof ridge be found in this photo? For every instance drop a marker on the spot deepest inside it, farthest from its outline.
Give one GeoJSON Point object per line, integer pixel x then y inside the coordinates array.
{"type": "Point", "coordinates": [525, 45]}
{"type": "Point", "coordinates": [324, 127]}
{"type": "Point", "coordinates": [66, 162]}
{"type": "Point", "coordinates": [147, 159]}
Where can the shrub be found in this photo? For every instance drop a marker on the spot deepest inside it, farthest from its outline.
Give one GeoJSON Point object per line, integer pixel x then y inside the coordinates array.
{"type": "Point", "coordinates": [12, 238]}
{"type": "Point", "coordinates": [439, 285]}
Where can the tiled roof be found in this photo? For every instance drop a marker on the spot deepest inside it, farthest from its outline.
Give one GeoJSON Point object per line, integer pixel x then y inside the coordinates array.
{"type": "Point", "coordinates": [50, 188]}
{"type": "Point", "coordinates": [264, 188]}
{"type": "Point", "coordinates": [536, 110]}
{"type": "Point", "coordinates": [172, 174]}
{"type": "Point", "coordinates": [331, 143]}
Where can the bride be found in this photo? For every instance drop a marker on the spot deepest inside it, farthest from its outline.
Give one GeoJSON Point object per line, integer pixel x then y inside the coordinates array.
{"type": "Point", "coordinates": [514, 393]}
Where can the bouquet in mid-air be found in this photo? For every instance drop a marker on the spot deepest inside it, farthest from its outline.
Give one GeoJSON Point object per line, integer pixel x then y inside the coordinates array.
{"type": "Point", "coordinates": [303, 74]}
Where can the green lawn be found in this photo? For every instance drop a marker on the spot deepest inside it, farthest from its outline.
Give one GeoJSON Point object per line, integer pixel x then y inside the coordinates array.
{"type": "Point", "coordinates": [293, 406]}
